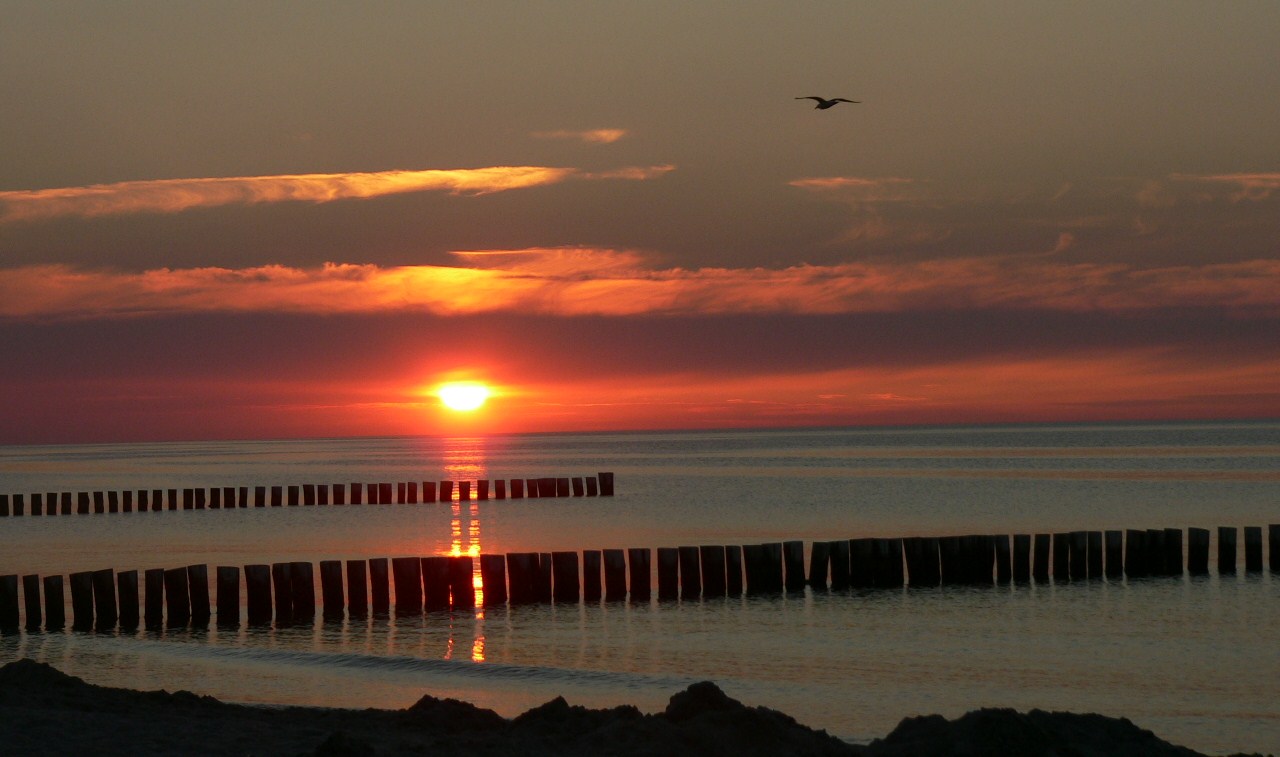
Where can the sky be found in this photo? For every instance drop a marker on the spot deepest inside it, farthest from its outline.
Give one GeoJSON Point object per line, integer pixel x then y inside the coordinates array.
{"type": "Point", "coordinates": [261, 219]}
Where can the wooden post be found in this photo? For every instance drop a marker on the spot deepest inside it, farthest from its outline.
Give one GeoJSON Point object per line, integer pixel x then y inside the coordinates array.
{"type": "Point", "coordinates": [1273, 547]}
{"type": "Point", "coordinates": [215, 498]}
{"type": "Point", "coordinates": [521, 569]}
{"type": "Point", "coordinates": [64, 503]}
{"type": "Point", "coordinates": [819, 564]}
{"type": "Point", "coordinates": [100, 503]}
{"type": "Point", "coordinates": [1004, 560]}
{"type": "Point", "coordinates": [37, 503]}
{"type": "Point", "coordinates": [82, 601]}
{"type": "Point", "coordinates": [1079, 551]}
{"type": "Point", "coordinates": [188, 500]}
{"type": "Point", "coordinates": [714, 580]}
{"type": "Point", "coordinates": [753, 560]}
{"type": "Point", "coordinates": [562, 487]}
{"type": "Point", "coordinates": [302, 583]}
{"type": "Point", "coordinates": [9, 619]}
{"type": "Point", "coordinates": [55, 614]}
{"type": "Point", "coordinates": [500, 489]}
{"type": "Point", "coordinates": [861, 557]}
{"type": "Point", "coordinates": [200, 499]}
{"type": "Point", "coordinates": [542, 579]}
{"type": "Point", "coordinates": [464, 491]}
{"type": "Point", "coordinates": [1061, 557]}
{"type": "Point", "coordinates": [153, 610]}
{"type": "Point", "coordinates": [1022, 558]}
{"type": "Point", "coordinates": [517, 488]}
{"type": "Point", "coordinates": [888, 562]}
{"type": "Point", "coordinates": [690, 572]}
{"type": "Point", "coordinates": [793, 565]}
{"type": "Point", "coordinates": [839, 551]}
{"type": "Point", "coordinates": [592, 587]}
{"type": "Point", "coordinates": [259, 496]}
{"type": "Point", "coordinates": [282, 582]}
{"type": "Point", "coordinates": [640, 560]}
{"type": "Point", "coordinates": [228, 578]}
{"type": "Point", "coordinates": [82, 503]}
{"type": "Point", "coordinates": [1253, 549]}
{"type": "Point", "coordinates": [435, 583]}
{"type": "Point", "coordinates": [372, 495]}
{"type": "Point", "coordinates": [1173, 551]}
{"type": "Point", "coordinates": [606, 484]}
{"type": "Point", "coordinates": [428, 491]}
{"type": "Point", "coordinates": [593, 486]}
{"type": "Point", "coordinates": [531, 488]}
{"type": "Point", "coordinates": [564, 569]}
{"type": "Point", "coordinates": [493, 575]}
{"type": "Point", "coordinates": [733, 570]}
{"type": "Point", "coordinates": [1135, 553]}
{"type": "Point", "coordinates": [127, 586]}
{"type": "Point", "coordinates": [1155, 552]}
{"type": "Point", "coordinates": [357, 493]}
{"type": "Point", "coordinates": [379, 587]}
{"type": "Point", "coordinates": [482, 489]}
{"type": "Point", "coordinates": [177, 598]}
{"type": "Point", "coordinates": [308, 494]}
{"type": "Point", "coordinates": [668, 573]}
{"type": "Point", "coordinates": [31, 601]}
{"type": "Point", "coordinates": [773, 566]}
{"type": "Point", "coordinates": [951, 558]}
{"type": "Point", "coordinates": [462, 587]}
{"type": "Point", "coordinates": [578, 489]}
{"type": "Point", "coordinates": [4, 505]}
{"type": "Point", "coordinates": [339, 494]}
{"type": "Point", "coordinates": [1095, 554]}
{"type": "Point", "coordinates": [1114, 553]}
{"type": "Point", "coordinates": [615, 575]}
{"type": "Point", "coordinates": [446, 491]}
{"type": "Point", "coordinates": [229, 497]}
{"type": "Point", "coordinates": [257, 582]}
{"type": "Point", "coordinates": [331, 593]}
{"type": "Point", "coordinates": [1040, 558]}
{"type": "Point", "coordinates": [1198, 551]}
{"type": "Point", "coordinates": [113, 502]}
{"type": "Point", "coordinates": [243, 496]}
{"type": "Point", "coordinates": [402, 493]}
{"type": "Point", "coordinates": [277, 496]}
{"type": "Point", "coordinates": [126, 501]}
{"type": "Point", "coordinates": [322, 494]}
{"type": "Point", "coordinates": [1227, 549]}
{"type": "Point", "coordinates": [385, 494]}
{"type": "Point", "coordinates": [406, 572]}
{"type": "Point", "coordinates": [198, 586]}
{"type": "Point", "coordinates": [357, 588]}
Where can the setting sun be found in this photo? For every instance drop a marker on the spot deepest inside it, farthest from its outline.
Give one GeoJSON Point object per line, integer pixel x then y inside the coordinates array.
{"type": "Point", "coordinates": [463, 397]}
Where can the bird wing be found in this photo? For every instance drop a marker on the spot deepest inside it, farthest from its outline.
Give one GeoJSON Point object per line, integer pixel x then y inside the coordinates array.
{"type": "Point", "coordinates": [813, 97]}
{"type": "Point", "coordinates": [841, 99]}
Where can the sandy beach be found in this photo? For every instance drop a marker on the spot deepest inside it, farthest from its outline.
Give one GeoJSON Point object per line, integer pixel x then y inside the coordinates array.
{"type": "Point", "coordinates": [49, 713]}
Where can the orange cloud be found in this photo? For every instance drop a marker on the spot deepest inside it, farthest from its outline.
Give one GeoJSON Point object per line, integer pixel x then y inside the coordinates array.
{"type": "Point", "coordinates": [586, 281]}
{"type": "Point", "coordinates": [1249, 186]}
{"type": "Point", "coordinates": [175, 195]}
{"type": "Point", "coordinates": [598, 136]}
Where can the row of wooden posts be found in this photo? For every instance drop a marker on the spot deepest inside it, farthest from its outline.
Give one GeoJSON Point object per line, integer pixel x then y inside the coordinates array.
{"type": "Point", "coordinates": [285, 592]}
{"type": "Point", "coordinates": [231, 497]}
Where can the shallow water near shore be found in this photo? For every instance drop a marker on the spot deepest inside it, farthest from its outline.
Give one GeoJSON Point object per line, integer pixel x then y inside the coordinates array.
{"type": "Point", "coordinates": [1191, 658]}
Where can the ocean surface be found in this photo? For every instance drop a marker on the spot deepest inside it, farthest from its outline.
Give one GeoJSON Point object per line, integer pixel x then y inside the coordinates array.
{"type": "Point", "coordinates": [1193, 659]}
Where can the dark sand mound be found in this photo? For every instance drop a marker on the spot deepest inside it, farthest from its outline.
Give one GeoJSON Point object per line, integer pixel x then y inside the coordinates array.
{"type": "Point", "coordinates": [48, 712]}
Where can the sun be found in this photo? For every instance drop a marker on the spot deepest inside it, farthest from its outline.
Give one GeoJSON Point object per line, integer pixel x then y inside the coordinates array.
{"type": "Point", "coordinates": [463, 396]}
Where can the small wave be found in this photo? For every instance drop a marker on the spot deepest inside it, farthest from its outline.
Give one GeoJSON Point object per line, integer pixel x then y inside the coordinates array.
{"type": "Point", "coordinates": [402, 665]}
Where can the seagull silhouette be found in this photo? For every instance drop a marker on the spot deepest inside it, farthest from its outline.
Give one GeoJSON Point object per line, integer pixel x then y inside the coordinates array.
{"type": "Point", "coordinates": [824, 103]}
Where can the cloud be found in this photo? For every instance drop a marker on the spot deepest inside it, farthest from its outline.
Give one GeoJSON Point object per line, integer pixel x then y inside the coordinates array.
{"type": "Point", "coordinates": [1254, 187]}
{"type": "Point", "coordinates": [596, 136]}
{"type": "Point", "coordinates": [605, 282]}
{"type": "Point", "coordinates": [176, 195]}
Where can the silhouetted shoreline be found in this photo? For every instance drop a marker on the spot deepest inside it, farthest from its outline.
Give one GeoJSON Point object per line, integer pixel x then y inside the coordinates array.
{"type": "Point", "coordinates": [49, 712]}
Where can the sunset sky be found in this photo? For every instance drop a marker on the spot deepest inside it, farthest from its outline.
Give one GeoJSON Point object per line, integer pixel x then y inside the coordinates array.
{"type": "Point", "coordinates": [264, 219]}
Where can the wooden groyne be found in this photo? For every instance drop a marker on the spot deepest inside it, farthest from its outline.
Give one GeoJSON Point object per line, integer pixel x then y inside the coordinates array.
{"type": "Point", "coordinates": [305, 495]}
{"type": "Point", "coordinates": [285, 593]}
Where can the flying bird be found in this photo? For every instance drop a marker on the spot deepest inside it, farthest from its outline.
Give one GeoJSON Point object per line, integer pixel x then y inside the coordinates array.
{"type": "Point", "coordinates": [824, 103]}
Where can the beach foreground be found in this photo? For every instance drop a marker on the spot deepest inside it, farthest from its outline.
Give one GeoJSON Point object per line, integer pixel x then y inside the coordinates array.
{"type": "Point", "coordinates": [49, 712]}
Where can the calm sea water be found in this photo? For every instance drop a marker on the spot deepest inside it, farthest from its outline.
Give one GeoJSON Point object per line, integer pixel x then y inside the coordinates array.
{"type": "Point", "coordinates": [1192, 659]}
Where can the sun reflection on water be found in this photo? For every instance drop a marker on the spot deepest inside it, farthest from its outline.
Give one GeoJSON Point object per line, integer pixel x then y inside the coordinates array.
{"type": "Point", "coordinates": [465, 462]}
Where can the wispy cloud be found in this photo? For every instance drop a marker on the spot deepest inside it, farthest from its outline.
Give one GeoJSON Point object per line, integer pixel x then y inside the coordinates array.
{"type": "Point", "coordinates": [1248, 186]}
{"type": "Point", "coordinates": [175, 195]}
{"type": "Point", "coordinates": [603, 282]}
{"type": "Point", "coordinates": [597, 136]}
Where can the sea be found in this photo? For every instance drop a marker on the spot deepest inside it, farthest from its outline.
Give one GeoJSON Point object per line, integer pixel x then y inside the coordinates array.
{"type": "Point", "coordinates": [1194, 659]}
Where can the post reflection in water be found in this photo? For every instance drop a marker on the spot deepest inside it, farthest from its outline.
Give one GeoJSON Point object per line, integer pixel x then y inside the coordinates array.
{"type": "Point", "coordinates": [465, 461]}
